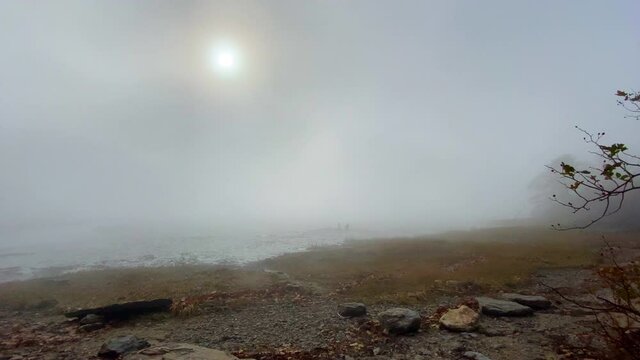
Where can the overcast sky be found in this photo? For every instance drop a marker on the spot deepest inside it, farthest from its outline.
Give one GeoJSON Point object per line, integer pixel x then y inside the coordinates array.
{"type": "Point", "coordinates": [414, 114]}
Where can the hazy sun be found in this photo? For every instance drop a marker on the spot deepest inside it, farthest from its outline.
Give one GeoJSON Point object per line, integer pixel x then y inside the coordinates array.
{"type": "Point", "coordinates": [224, 60]}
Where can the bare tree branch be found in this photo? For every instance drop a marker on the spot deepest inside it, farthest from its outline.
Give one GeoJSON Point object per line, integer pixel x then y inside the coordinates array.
{"type": "Point", "coordinates": [603, 188]}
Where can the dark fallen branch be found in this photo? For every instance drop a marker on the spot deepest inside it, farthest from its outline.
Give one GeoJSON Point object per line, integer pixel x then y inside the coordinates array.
{"type": "Point", "coordinates": [125, 310]}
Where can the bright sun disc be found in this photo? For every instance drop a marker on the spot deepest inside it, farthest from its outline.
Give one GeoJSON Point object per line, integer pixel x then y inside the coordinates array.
{"type": "Point", "coordinates": [224, 60]}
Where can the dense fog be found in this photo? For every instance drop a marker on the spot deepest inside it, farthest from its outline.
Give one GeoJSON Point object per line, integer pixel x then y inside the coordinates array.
{"type": "Point", "coordinates": [400, 116]}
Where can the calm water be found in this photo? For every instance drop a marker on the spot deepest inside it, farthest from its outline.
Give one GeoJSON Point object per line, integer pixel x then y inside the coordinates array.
{"type": "Point", "coordinates": [55, 251]}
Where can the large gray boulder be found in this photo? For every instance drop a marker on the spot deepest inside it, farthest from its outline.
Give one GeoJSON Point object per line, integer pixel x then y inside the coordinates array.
{"type": "Point", "coordinates": [179, 351]}
{"type": "Point", "coordinates": [495, 307]}
{"type": "Point", "coordinates": [118, 346]}
{"type": "Point", "coordinates": [532, 301]}
{"type": "Point", "coordinates": [462, 319]}
{"type": "Point", "coordinates": [352, 309]}
{"type": "Point", "coordinates": [400, 320]}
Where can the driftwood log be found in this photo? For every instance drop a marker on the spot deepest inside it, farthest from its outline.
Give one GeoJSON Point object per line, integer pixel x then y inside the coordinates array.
{"type": "Point", "coordinates": [124, 310]}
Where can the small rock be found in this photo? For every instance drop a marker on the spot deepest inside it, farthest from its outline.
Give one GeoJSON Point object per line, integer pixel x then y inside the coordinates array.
{"type": "Point", "coordinates": [532, 301]}
{"type": "Point", "coordinates": [475, 355]}
{"type": "Point", "coordinates": [376, 351]}
{"type": "Point", "coordinates": [91, 319]}
{"type": "Point", "coordinates": [91, 327]}
{"type": "Point", "coordinates": [400, 320]}
{"type": "Point", "coordinates": [121, 345]}
{"type": "Point", "coordinates": [497, 307]}
{"type": "Point", "coordinates": [352, 309]}
{"type": "Point", "coordinates": [460, 319]}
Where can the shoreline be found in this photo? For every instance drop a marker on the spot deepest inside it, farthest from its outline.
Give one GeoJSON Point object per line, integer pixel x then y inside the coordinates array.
{"type": "Point", "coordinates": [25, 263]}
{"type": "Point", "coordinates": [291, 307]}
{"type": "Point", "coordinates": [455, 256]}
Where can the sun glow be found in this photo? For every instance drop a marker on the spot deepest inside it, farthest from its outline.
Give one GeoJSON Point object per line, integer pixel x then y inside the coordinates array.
{"type": "Point", "coordinates": [224, 60]}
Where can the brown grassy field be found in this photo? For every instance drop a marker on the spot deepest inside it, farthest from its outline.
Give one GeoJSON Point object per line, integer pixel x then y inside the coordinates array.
{"type": "Point", "coordinates": [102, 287]}
{"type": "Point", "coordinates": [401, 270]}
{"type": "Point", "coordinates": [412, 269]}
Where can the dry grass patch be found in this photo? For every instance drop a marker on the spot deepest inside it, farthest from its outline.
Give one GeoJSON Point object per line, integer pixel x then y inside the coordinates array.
{"type": "Point", "coordinates": [102, 287]}
{"type": "Point", "coordinates": [410, 269]}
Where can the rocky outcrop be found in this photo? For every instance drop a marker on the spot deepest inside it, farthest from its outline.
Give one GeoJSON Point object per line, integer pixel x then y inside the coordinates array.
{"type": "Point", "coordinates": [121, 345]}
{"type": "Point", "coordinates": [124, 310]}
{"type": "Point", "coordinates": [532, 301]}
{"type": "Point", "coordinates": [400, 320]}
{"type": "Point", "coordinates": [352, 309]}
{"type": "Point", "coordinates": [460, 319]}
{"type": "Point", "coordinates": [495, 307]}
{"type": "Point", "coordinates": [177, 351]}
